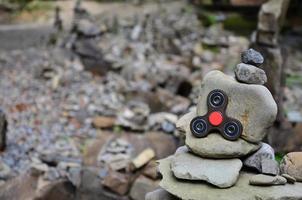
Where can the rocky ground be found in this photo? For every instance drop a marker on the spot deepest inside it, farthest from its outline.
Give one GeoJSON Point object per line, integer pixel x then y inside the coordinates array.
{"type": "Point", "coordinates": [107, 92]}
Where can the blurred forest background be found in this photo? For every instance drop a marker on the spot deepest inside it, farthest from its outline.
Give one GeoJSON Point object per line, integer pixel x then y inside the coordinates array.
{"type": "Point", "coordinates": [91, 90]}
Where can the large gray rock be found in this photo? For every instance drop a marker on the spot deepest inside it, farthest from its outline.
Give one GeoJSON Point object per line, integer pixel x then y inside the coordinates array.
{"type": "Point", "coordinates": [242, 190]}
{"type": "Point", "coordinates": [215, 146]}
{"type": "Point", "coordinates": [265, 180]}
{"type": "Point", "coordinates": [250, 74]}
{"type": "Point", "coordinates": [222, 173]}
{"type": "Point", "coordinates": [252, 105]}
{"type": "Point", "coordinates": [263, 160]}
{"type": "Point", "coordinates": [291, 164]}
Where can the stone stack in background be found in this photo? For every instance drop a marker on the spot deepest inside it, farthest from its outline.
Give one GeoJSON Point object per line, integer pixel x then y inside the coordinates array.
{"type": "Point", "coordinates": [210, 168]}
{"type": "Point", "coordinates": [270, 20]}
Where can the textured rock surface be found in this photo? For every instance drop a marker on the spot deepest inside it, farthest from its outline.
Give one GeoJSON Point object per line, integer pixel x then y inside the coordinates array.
{"type": "Point", "coordinates": [270, 167]}
{"type": "Point", "coordinates": [263, 160]}
{"type": "Point", "coordinates": [270, 15]}
{"type": "Point", "coordinates": [289, 178]}
{"type": "Point", "coordinates": [252, 57]}
{"type": "Point", "coordinates": [183, 123]}
{"type": "Point", "coordinates": [222, 173]}
{"type": "Point", "coordinates": [250, 74]}
{"type": "Point", "coordinates": [215, 146]}
{"type": "Point", "coordinates": [266, 180]}
{"type": "Point", "coordinates": [291, 164]}
{"type": "Point", "coordinates": [242, 190]}
{"type": "Point", "coordinates": [252, 105]}
{"type": "Point", "coordinates": [160, 194]}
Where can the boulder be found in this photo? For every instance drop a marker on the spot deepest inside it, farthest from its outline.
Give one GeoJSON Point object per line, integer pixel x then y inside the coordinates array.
{"type": "Point", "coordinates": [242, 190]}
{"type": "Point", "coordinates": [253, 105]}
{"type": "Point", "coordinates": [291, 164]}
{"type": "Point", "coordinates": [265, 180]}
{"type": "Point", "coordinates": [250, 74]}
{"type": "Point", "coordinates": [222, 173]}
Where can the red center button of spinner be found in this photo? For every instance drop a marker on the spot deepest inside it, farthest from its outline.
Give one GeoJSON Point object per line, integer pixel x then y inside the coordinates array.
{"type": "Point", "coordinates": [215, 118]}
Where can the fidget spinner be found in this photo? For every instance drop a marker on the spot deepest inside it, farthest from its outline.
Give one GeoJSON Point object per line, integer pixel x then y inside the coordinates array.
{"type": "Point", "coordinates": [216, 119]}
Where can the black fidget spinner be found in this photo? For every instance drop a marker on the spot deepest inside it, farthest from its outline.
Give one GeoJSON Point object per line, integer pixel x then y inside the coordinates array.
{"type": "Point", "coordinates": [216, 119]}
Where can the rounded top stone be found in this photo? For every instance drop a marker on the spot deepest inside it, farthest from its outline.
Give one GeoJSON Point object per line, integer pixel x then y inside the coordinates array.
{"type": "Point", "coordinates": [252, 57]}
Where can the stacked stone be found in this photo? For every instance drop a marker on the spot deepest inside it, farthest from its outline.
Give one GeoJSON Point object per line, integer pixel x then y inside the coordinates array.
{"type": "Point", "coordinates": [211, 167]}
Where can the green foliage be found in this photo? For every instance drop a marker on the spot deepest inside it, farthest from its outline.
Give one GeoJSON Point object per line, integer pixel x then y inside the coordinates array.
{"type": "Point", "coordinates": [278, 157]}
{"type": "Point", "coordinates": [28, 5]}
{"type": "Point", "coordinates": [239, 24]}
{"type": "Point", "coordinates": [16, 4]}
{"type": "Point", "coordinates": [38, 5]}
{"type": "Point", "coordinates": [117, 129]}
{"type": "Point", "coordinates": [214, 49]}
{"type": "Point", "coordinates": [207, 18]}
{"type": "Point", "coordinates": [295, 79]}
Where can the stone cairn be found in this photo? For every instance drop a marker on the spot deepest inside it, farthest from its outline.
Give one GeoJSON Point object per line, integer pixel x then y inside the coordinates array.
{"type": "Point", "coordinates": [223, 156]}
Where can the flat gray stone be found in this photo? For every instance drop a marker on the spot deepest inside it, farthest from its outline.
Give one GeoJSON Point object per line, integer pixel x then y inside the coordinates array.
{"type": "Point", "coordinates": [215, 146]}
{"type": "Point", "coordinates": [263, 160]}
{"type": "Point", "coordinates": [253, 105]}
{"type": "Point", "coordinates": [241, 191]}
{"type": "Point", "coordinates": [252, 57]}
{"type": "Point", "coordinates": [265, 180]}
{"type": "Point", "coordinates": [222, 173]}
{"type": "Point", "coordinates": [250, 74]}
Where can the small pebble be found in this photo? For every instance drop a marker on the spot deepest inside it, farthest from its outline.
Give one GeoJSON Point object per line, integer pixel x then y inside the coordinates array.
{"type": "Point", "coordinates": [252, 57]}
{"type": "Point", "coordinates": [250, 74]}
{"type": "Point", "coordinates": [265, 180]}
{"type": "Point", "coordinates": [289, 178]}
